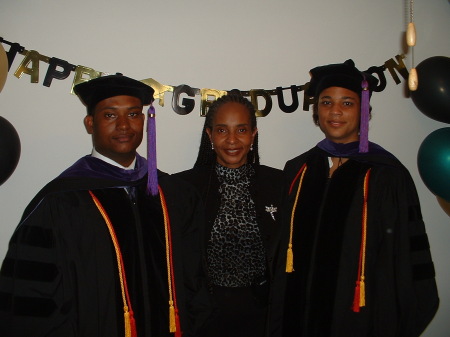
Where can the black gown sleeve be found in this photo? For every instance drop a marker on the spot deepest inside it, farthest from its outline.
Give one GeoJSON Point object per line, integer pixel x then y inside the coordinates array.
{"type": "Point", "coordinates": [35, 299]}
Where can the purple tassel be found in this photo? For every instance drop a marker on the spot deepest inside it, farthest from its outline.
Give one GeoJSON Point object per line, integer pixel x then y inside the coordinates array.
{"type": "Point", "coordinates": [152, 180]}
{"type": "Point", "coordinates": [364, 125]}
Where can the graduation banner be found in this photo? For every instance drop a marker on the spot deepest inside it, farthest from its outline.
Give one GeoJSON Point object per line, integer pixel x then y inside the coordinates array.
{"type": "Point", "coordinates": [183, 95]}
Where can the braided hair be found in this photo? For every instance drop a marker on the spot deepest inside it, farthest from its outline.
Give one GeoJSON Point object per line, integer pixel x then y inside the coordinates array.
{"type": "Point", "coordinates": [206, 155]}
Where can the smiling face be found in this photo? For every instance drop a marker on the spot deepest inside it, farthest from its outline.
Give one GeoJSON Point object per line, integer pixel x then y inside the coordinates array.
{"type": "Point", "coordinates": [339, 114]}
{"type": "Point", "coordinates": [232, 134]}
{"type": "Point", "coordinates": [116, 127]}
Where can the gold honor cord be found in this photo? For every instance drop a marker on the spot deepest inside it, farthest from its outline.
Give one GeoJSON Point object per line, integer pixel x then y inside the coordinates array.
{"type": "Point", "coordinates": [130, 324]}
{"type": "Point", "coordinates": [174, 322]}
{"type": "Point", "coordinates": [290, 254]}
{"type": "Point", "coordinates": [359, 299]}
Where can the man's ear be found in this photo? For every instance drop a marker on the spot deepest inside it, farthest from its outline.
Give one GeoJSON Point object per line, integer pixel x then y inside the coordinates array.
{"type": "Point", "coordinates": [89, 124]}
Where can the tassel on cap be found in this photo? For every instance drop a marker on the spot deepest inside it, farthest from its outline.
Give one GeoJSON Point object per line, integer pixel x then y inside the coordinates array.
{"type": "Point", "coordinates": [365, 111]}
{"type": "Point", "coordinates": [152, 180]}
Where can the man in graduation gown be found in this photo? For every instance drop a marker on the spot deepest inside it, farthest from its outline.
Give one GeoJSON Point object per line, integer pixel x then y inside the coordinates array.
{"type": "Point", "coordinates": [358, 261]}
{"type": "Point", "coordinates": [110, 247]}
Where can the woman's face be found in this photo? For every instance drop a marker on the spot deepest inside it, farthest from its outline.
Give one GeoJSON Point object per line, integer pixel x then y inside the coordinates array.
{"type": "Point", "coordinates": [231, 134]}
{"type": "Point", "coordinates": [339, 114]}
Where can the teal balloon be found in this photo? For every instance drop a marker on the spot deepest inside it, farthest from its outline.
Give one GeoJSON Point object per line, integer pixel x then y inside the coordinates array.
{"type": "Point", "coordinates": [433, 160]}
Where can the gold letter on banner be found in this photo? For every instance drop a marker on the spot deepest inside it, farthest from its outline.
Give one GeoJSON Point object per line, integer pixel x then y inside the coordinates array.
{"type": "Point", "coordinates": [254, 93]}
{"type": "Point", "coordinates": [79, 78]}
{"type": "Point", "coordinates": [34, 57]}
{"type": "Point", "coordinates": [400, 67]}
{"type": "Point", "coordinates": [205, 93]}
{"type": "Point", "coordinates": [159, 88]}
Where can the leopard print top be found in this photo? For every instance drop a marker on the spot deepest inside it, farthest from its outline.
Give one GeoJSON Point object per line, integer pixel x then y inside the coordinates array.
{"type": "Point", "coordinates": [235, 252]}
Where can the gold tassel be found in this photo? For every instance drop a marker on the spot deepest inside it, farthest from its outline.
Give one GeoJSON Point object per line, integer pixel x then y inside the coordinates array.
{"type": "Point", "coordinates": [289, 260]}
{"type": "Point", "coordinates": [290, 253]}
{"type": "Point", "coordinates": [130, 323]}
{"type": "Point", "coordinates": [172, 325]}
{"type": "Point", "coordinates": [127, 322]}
{"type": "Point", "coordinates": [362, 293]}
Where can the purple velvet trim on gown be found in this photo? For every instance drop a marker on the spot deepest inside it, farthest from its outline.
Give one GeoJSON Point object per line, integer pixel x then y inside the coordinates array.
{"type": "Point", "coordinates": [351, 149]}
{"type": "Point", "coordinates": [91, 167]}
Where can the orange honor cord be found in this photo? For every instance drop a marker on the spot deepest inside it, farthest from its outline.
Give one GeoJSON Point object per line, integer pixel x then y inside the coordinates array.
{"type": "Point", "coordinates": [130, 324]}
{"type": "Point", "coordinates": [174, 319]}
{"type": "Point", "coordinates": [359, 299]}
{"type": "Point", "coordinates": [290, 253]}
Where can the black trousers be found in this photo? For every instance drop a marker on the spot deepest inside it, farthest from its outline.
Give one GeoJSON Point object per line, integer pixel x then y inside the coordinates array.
{"type": "Point", "coordinates": [242, 312]}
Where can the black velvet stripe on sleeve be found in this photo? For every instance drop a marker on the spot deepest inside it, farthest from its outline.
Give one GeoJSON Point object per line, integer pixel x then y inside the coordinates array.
{"type": "Point", "coordinates": [423, 271]}
{"type": "Point", "coordinates": [419, 242]}
{"type": "Point", "coordinates": [35, 236]}
{"type": "Point", "coordinates": [29, 270]}
{"type": "Point", "coordinates": [26, 306]}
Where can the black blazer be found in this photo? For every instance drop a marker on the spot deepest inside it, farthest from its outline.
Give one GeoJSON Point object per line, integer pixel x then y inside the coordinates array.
{"type": "Point", "coordinates": [266, 191]}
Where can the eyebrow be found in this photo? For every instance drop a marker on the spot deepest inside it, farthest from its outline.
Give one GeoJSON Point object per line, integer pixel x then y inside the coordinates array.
{"type": "Point", "coordinates": [243, 124]}
{"type": "Point", "coordinates": [115, 107]}
{"type": "Point", "coordinates": [343, 97]}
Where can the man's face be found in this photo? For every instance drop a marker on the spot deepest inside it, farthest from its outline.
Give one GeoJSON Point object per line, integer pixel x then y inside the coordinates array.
{"type": "Point", "coordinates": [116, 127]}
{"type": "Point", "coordinates": [339, 114]}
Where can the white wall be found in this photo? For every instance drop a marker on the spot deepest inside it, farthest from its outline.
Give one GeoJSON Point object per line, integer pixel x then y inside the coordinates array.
{"type": "Point", "coordinates": [244, 44]}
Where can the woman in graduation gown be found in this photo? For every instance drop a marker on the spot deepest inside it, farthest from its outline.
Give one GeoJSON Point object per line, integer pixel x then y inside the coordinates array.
{"type": "Point", "coordinates": [358, 261]}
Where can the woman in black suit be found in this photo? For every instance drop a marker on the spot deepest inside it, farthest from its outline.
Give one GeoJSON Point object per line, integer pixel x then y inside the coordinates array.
{"type": "Point", "coordinates": [242, 200]}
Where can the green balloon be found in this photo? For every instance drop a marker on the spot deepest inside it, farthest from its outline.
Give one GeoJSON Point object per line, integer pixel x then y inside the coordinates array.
{"type": "Point", "coordinates": [433, 160]}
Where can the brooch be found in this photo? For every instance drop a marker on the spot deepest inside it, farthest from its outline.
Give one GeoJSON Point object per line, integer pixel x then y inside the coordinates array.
{"type": "Point", "coordinates": [270, 209]}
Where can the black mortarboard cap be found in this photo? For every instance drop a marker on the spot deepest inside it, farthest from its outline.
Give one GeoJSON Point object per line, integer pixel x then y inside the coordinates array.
{"type": "Point", "coordinates": [93, 91]}
{"type": "Point", "coordinates": [344, 75]}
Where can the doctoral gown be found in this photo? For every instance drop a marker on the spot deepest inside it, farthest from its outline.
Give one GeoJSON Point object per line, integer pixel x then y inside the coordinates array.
{"type": "Point", "coordinates": [330, 247]}
{"type": "Point", "coordinates": [60, 275]}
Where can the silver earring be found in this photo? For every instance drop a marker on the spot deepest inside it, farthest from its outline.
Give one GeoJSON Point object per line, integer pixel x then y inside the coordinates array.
{"type": "Point", "coordinates": [251, 147]}
{"type": "Point", "coordinates": [212, 146]}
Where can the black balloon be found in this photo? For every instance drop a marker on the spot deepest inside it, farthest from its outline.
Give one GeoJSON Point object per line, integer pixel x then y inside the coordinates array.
{"type": "Point", "coordinates": [9, 149]}
{"type": "Point", "coordinates": [432, 96]}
